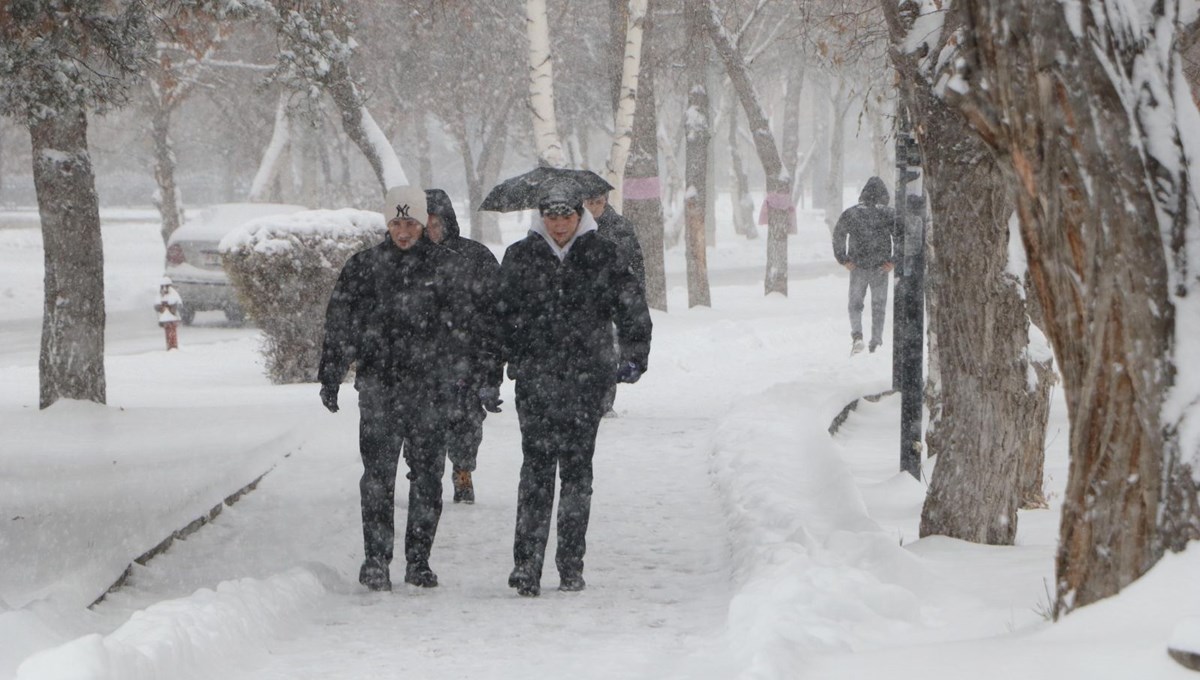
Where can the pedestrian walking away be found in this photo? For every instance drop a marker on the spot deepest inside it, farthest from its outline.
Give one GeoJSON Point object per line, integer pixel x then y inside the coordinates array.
{"type": "Point", "coordinates": [863, 243]}
{"type": "Point", "coordinates": [562, 288]}
{"type": "Point", "coordinates": [481, 393]}
{"type": "Point", "coordinates": [613, 226]}
{"type": "Point", "coordinates": [395, 310]}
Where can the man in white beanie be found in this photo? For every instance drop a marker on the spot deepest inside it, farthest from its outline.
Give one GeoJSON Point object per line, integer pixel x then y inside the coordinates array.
{"type": "Point", "coordinates": [395, 309]}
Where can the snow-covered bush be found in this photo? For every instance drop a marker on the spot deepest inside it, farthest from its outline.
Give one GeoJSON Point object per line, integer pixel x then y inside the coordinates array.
{"type": "Point", "coordinates": [284, 268]}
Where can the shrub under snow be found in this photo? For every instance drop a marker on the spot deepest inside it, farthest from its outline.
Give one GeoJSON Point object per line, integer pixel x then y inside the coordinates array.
{"type": "Point", "coordinates": [284, 269]}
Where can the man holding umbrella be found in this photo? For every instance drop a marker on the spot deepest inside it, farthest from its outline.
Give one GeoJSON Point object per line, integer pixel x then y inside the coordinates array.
{"type": "Point", "coordinates": [561, 290]}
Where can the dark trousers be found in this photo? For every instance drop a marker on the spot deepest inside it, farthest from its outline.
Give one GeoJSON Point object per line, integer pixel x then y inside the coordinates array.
{"type": "Point", "coordinates": [559, 420]}
{"type": "Point", "coordinates": [464, 434]}
{"type": "Point", "coordinates": [392, 421]}
{"type": "Point", "coordinates": [860, 280]}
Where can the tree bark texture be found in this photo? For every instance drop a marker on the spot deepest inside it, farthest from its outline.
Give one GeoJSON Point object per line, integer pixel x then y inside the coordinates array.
{"type": "Point", "coordinates": [541, 85]}
{"type": "Point", "coordinates": [835, 177]}
{"type": "Point", "coordinates": [168, 203]}
{"type": "Point", "coordinates": [990, 420]}
{"type": "Point", "coordinates": [698, 123]}
{"type": "Point", "coordinates": [361, 128]}
{"type": "Point", "coordinates": [645, 208]}
{"type": "Point", "coordinates": [743, 205]}
{"type": "Point", "coordinates": [618, 156]}
{"type": "Point", "coordinates": [778, 181]}
{"type": "Point", "coordinates": [1076, 118]}
{"type": "Point", "coordinates": [71, 363]}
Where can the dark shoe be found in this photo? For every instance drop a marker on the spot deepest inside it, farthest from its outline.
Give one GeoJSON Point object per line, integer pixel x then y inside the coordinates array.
{"type": "Point", "coordinates": [464, 491]}
{"type": "Point", "coordinates": [419, 574]}
{"type": "Point", "coordinates": [524, 582]}
{"type": "Point", "coordinates": [571, 584]}
{"type": "Point", "coordinates": [857, 346]}
{"type": "Point", "coordinates": [374, 575]}
{"type": "Point", "coordinates": [873, 346]}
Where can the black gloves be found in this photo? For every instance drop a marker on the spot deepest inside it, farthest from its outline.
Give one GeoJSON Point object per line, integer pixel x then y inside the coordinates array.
{"type": "Point", "coordinates": [489, 397]}
{"type": "Point", "coordinates": [329, 397]}
{"type": "Point", "coordinates": [628, 372]}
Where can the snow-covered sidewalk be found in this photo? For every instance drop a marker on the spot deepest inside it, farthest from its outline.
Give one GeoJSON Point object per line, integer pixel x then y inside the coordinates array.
{"type": "Point", "coordinates": [731, 535]}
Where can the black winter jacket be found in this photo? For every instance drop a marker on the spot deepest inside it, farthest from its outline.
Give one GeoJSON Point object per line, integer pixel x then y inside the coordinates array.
{"type": "Point", "coordinates": [480, 274]}
{"type": "Point", "coordinates": [557, 317]}
{"type": "Point", "coordinates": [404, 318]}
{"type": "Point", "coordinates": [614, 226]}
{"type": "Point", "coordinates": [868, 227]}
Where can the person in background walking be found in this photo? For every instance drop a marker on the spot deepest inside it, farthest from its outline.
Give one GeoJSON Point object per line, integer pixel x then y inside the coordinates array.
{"type": "Point", "coordinates": [465, 420]}
{"type": "Point", "coordinates": [562, 288]}
{"type": "Point", "coordinates": [396, 309]}
{"type": "Point", "coordinates": [613, 226]}
{"type": "Point", "coordinates": [862, 243]}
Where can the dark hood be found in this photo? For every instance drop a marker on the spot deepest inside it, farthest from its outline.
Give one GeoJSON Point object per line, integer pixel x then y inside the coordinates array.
{"type": "Point", "coordinates": [438, 203]}
{"type": "Point", "coordinates": [874, 193]}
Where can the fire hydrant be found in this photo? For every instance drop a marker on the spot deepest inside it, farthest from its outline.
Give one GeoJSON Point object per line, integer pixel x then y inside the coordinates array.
{"type": "Point", "coordinates": [168, 311]}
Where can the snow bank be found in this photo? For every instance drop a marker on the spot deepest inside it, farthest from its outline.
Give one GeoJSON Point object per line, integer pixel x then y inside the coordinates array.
{"type": "Point", "coordinates": [191, 637]}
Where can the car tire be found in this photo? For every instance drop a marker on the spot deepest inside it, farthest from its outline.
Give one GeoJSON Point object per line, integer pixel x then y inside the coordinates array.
{"type": "Point", "coordinates": [187, 314]}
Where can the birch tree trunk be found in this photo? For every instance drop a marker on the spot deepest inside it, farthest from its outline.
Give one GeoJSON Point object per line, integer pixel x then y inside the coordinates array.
{"type": "Point", "coordinates": [697, 122]}
{"type": "Point", "coordinates": [71, 362]}
{"type": "Point", "coordinates": [168, 200]}
{"type": "Point", "coordinates": [779, 182]}
{"type": "Point", "coordinates": [643, 187]}
{"type": "Point", "coordinates": [541, 85]}
{"type": "Point", "coordinates": [627, 103]}
{"type": "Point", "coordinates": [791, 117]}
{"type": "Point", "coordinates": [1082, 108]}
{"type": "Point", "coordinates": [834, 179]}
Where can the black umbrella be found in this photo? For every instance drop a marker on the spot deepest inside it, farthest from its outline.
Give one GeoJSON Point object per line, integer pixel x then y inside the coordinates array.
{"type": "Point", "coordinates": [521, 192]}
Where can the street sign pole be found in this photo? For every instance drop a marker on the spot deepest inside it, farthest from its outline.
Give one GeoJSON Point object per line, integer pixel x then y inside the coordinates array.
{"type": "Point", "coordinates": [908, 316]}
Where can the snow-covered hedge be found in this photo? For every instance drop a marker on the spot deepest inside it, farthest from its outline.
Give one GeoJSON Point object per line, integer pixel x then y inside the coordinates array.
{"type": "Point", "coordinates": [284, 268]}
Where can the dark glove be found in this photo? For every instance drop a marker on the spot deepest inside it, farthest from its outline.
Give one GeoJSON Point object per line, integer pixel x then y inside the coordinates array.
{"type": "Point", "coordinates": [628, 372]}
{"type": "Point", "coordinates": [329, 397]}
{"type": "Point", "coordinates": [489, 397]}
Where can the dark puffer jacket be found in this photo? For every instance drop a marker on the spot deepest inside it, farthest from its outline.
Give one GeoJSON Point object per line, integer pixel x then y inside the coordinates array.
{"type": "Point", "coordinates": [557, 317]}
{"type": "Point", "coordinates": [868, 228]}
{"type": "Point", "coordinates": [395, 315]}
{"type": "Point", "coordinates": [614, 226]}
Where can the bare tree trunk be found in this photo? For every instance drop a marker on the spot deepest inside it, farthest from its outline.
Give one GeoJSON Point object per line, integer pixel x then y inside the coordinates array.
{"type": "Point", "coordinates": [71, 363]}
{"type": "Point", "coordinates": [834, 179]}
{"type": "Point", "coordinates": [1103, 191]}
{"type": "Point", "coordinates": [424, 162]}
{"type": "Point", "coordinates": [627, 103]}
{"type": "Point", "coordinates": [743, 204]}
{"type": "Point", "coordinates": [362, 129]}
{"type": "Point", "coordinates": [643, 188]}
{"type": "Point", "coordinates": [541, 85]}
{"type": "Point", "coordinates": [989, 421]}
{"type": "Point", "coordinates": [791, 116]}
{"type": "Point", "coordinates": [819, 164]}
{"type": "Point", "coordinates": [779, 182]}
{"type": "Point", "coordinates": [698, 120]}
{"type": "Point", "coordinates": [168, 199]}
{"type": "Point", "coordinates": [268, 168]}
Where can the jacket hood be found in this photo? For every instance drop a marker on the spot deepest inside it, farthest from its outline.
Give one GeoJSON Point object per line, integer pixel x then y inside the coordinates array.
{"type": "Point", "coordinates": [874, 193]}
{"type": "Point", "coordinates": [438, 203]}
{"type": "Point", "coordinates": [586, 223]}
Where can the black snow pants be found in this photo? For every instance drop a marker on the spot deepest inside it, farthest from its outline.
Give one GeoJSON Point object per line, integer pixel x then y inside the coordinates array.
{"type": "Point", "coordinates": [391, 421]}
{"type": "Point", "coordinates": [464, 434]}
{"type": "Point", "coordinates": [559, 420]}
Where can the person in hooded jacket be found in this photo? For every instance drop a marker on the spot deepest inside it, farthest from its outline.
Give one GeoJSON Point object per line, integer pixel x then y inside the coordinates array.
{"type": "Point", "coordinates": [613, 226]}
{"type": "Point", "coordinates": [562, 288]}
{"type": "Point", "coordinates": [862, 243]}
{"type": "Point", "coordinates": [465, 421]}
{"type": "Point", "coordinates": [396, 309]}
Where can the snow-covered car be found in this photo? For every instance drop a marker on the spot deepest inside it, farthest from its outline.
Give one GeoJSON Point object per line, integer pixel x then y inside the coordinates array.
{"type": "Point", "coordinates": [194, 263]}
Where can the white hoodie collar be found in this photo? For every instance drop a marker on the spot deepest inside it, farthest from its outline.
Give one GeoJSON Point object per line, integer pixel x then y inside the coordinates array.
{"type": "Point", "coordinates": [586, 223]}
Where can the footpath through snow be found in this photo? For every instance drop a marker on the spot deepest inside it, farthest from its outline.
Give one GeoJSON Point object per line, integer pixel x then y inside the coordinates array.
{"type": "Point", "coordinates": [732, 536]}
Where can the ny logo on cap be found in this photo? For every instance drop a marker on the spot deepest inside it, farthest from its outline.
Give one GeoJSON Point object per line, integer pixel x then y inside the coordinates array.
{"type": "Point", "coordinates": [402, 212]}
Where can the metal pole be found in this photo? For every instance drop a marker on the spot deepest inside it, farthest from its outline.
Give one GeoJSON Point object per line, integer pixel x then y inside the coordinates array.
{"type": "Point", "coordinates": [909, 307]}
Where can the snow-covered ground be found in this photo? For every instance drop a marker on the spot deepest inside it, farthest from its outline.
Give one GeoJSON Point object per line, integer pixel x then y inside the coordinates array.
{"type": "Point", "coordinates": [731, 536]}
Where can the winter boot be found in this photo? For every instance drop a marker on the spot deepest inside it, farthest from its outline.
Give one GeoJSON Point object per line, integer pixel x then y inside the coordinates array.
{"type": "Point", "coordinates": [419, 574]}
{"type": "Point", "coordinates": [524, 582]}
{"type": "Point", "coordinates": [464, 491]}
{"type": "Point", "coordinates": [571, 583]}
{"type": "Point", "coordinates": [857, 346]}
{"type": "Point", "coordinates": [874, 346]}
{"type": "Point", "coordinates": [374, 575]}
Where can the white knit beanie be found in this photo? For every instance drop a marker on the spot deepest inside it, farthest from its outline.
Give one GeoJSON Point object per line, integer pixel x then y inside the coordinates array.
{"type": "Point", "coordinates": [406, 201]}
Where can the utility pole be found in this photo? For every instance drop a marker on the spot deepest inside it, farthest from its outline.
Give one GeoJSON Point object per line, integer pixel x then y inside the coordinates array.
{"type": "Point", "coordinates": [908, 307]}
